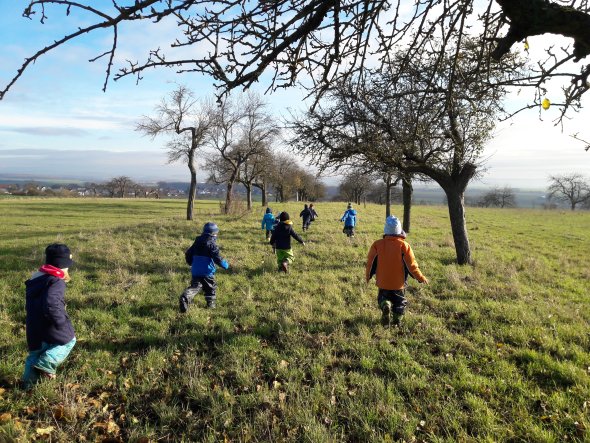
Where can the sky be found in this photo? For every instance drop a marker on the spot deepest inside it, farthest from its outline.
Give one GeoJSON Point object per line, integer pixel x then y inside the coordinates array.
{"type": "Point", "coordinates": [57, 122]}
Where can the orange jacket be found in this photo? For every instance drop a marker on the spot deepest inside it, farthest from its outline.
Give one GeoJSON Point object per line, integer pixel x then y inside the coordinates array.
{"type": "Point", "coordinates": [391, 258]}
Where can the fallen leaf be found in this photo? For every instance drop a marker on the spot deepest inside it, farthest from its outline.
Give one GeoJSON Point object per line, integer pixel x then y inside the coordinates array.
{"type": "Point", "coordinates": [58, 412]}
{"type": "Point", "coordinates": [276, 384]}
{"type": "Point", "coordinates": [28, 410]}
{"type": "Point", "coordinates": [112, 427]}
{"type": "Point", "coordinates": [96, 403]}
{"type": "Point", "coordinates": [99, 425]}
{"type": "Point", "coordinates": [2, 391]}
{"type": "Point", "coordinates": [45, 431]}
{"type": "Point", "coordinates": [283, 363]}
{"type": "Point", "coordinates": [5, 417]}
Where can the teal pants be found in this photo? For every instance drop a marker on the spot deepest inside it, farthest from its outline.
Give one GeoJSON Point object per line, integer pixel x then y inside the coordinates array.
{"type": "Point", "coordinates": [47, 358]}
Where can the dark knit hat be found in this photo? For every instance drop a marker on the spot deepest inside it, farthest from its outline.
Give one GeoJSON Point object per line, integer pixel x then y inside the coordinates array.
{"type": "Point", "coordinates": [268, 211]}
{"type": "Point", "coordinates": [58, 255]}
{"type": "Point", "coordinates": [284, 216]}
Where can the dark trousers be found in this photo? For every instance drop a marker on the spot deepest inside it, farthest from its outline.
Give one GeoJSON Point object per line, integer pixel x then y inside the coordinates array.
{"type": "Point", "coordinates": [206, 284]}
{"type": "Point", "coordinates": [268, 234]}
{"type": "Point", "coordinates": [396, 297]}
{"type": "Point", "coordinates": [349, 231]}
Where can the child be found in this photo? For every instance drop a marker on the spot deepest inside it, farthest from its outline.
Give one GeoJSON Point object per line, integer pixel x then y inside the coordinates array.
{"type": "Point", "coordinates": [281, 241]}
{"type": "Point", "coordinates": [314, 214]}
{"type": "Point", "coordinates": [349, 219]}
{"type": "Point", "coordinates": [268, 223]}
{"type": "Point", "coordinates": [202, 256]}
{"type": "Point", "coordinates": [306, 214]}
{"type": "Point", "coordinates": [50, 334]}
{"type": "Point", "coordinates": [392, 259]}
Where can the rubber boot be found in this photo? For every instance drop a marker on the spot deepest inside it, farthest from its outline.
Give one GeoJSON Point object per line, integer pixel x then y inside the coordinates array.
{"type": "Point", "coordinates": [386, 314]}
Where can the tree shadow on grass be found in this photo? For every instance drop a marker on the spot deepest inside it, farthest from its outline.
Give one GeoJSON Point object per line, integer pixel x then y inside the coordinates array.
{"type": "Point", "coordinates": [548, 374]}
{"type": "Point", "coordinates": [205, 341]}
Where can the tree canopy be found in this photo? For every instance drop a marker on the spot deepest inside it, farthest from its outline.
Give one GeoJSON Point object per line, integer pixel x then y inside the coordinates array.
{"type": "Point", "coordinates": [315, 42]}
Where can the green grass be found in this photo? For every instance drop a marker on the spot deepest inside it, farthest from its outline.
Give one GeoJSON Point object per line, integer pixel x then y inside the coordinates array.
{"type": "Point", "coordinates": [497, 351]}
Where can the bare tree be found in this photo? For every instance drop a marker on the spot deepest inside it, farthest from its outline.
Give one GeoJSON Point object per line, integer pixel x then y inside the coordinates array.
{"type": "Point", "coordinates": [282, 174]}
{"type": "Point", "coordinates": [236, 41]}
{"type": "Point", "coordinates": [119, 186]}
{"type": "Point", "coordinates": [355, 186]}
{"type": "Point", "coordinates": [94, 187]}
{"type": "Point", "coordinates": [189, 120]}
{"type": "Point", "coordinates": [498, 197]}
{"type": "Point", "coordinates": [380, 193]}
{"type": "Point", "coordinates": [573, 189]}
{"type": "Point", "coordinates": [439, 135]}
{"type": "Point", "coordinates": [242, 130]}
{"type": "Point", "coordinates": [265, 163]}
{"type": "Point", "coordinates": [253, 174]}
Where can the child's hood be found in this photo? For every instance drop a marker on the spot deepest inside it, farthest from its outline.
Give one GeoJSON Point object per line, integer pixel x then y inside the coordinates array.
{"type": "Point", "coordinates": [352, 211]}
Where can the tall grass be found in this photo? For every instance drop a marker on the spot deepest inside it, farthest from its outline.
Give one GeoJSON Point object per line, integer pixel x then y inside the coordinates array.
{"type": "Point", "coordinates": [497, 351]}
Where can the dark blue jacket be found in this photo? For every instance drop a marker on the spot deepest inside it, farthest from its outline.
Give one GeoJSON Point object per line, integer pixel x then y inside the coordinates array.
{"type": "Point", "coordinates": [47, 320]}
{"type": "Point", "coordinates": [307, 215]}
{"type": "Point", "coordinates": [203, 255]}
{"type": "Point", "coordinates": [281, 236]}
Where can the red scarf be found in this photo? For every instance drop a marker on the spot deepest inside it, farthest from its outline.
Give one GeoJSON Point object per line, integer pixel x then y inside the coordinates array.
{"type": "Point", "coordinates": [52, 270]}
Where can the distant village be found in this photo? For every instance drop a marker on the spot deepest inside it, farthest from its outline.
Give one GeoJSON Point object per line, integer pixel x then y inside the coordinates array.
{"type": "Point", "coordinates": [111, 189]}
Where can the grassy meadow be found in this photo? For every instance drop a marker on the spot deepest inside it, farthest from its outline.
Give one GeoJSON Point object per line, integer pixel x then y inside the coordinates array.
{"type": "Point", "coordinates": [497, 351]}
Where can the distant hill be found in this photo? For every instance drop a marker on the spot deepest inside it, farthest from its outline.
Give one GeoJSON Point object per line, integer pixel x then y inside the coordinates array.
{"type": "Point", "coordinates": [427, 195]}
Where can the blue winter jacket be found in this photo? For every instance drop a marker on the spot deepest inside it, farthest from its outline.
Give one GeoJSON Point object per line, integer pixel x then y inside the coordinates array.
{"type": "Point", "coordinates": [349, 218]}
{"type": "Point", "coordinates": [47, 320]}
{"type": "Point", "coordinates": [203, 255]}
{"type": "Point", "coordinates": [268, 221]}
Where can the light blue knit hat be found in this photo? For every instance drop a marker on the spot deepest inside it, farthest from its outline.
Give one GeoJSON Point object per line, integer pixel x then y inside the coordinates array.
{"type": "Point", "coordinates": [392, 226]}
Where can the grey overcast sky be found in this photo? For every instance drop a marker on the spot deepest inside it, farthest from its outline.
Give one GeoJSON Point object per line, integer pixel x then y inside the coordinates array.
{"type": "Point", "coordinates": [56, 121]}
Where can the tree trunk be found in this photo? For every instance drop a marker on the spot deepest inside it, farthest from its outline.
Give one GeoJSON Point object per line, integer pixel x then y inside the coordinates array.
{"type": "Point", "coordinates": [228, 196]}
{"type": "Point", "coordinates": [388, 186]}
{"type": "Point", "coordinates": [264, 196]}
{"type": "Point", "coordinates": [190, 205]}
{"type": "Point", "coordinates": [456, 203]}
{"type": "Point", "coordinates": [407, 191]}
{"type": "Point", "coordinates": [248, 196]}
